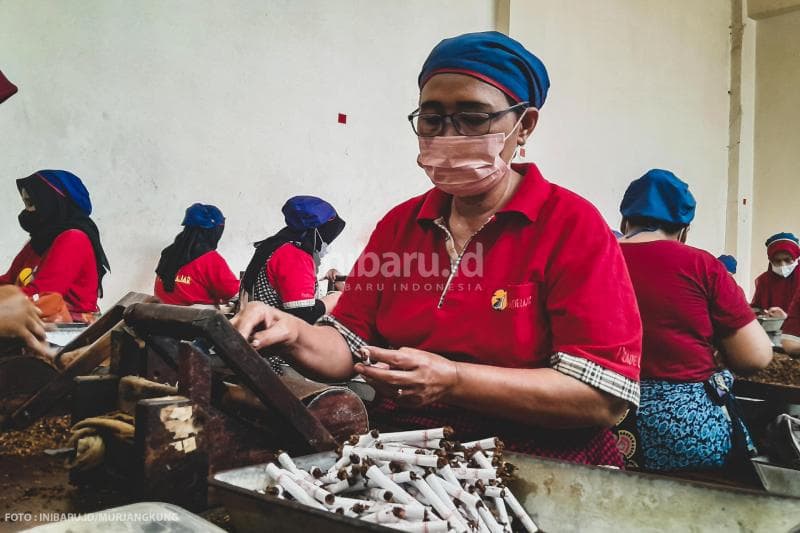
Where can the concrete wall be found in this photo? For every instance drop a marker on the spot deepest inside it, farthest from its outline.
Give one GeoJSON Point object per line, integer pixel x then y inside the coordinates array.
{"type": "Point", "coordinates": [160, 104]}
{"type": "Point", "coordinates": [777, 131]}
{"type": "Point", "coordinates": [636, 84]}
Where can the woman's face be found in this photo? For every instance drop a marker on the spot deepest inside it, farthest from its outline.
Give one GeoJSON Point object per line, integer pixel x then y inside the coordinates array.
{"type": "Point", "coordinates": [26, 199]}
{"type": "Point", "coordinates": [451, 93]}
{"type": "Point", "coordinates": [780, 259]}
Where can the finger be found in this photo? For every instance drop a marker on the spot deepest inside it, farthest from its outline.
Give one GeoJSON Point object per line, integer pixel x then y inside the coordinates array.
{"type": "Point", "coordinates": [397, 378]}
{"type": "Point", "coordinates": [278, 334]}
{"type": "Point", "coordinates": [36, 346]}
{"type": "Point", "coordinates": [394, 358]}
{"type": "Point", "coordinates": [250, 318]}
{"type": "Point", "coordinates": [36, 327]}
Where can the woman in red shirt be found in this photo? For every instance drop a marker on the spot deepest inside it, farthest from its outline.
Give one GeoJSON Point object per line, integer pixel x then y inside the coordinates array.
{"type": "Point", "coordinates": [776, 287]}
{"type": "Point", "coordinates": [64, 255]}
{"type": "Point", "coordinates": [283, 270]}
{"type": "Point", "coordinates": [487, 299]}
{"type": "Point", "coordinates": [691, 307]}
{"type": "Point", "coordinates": [190, 270]}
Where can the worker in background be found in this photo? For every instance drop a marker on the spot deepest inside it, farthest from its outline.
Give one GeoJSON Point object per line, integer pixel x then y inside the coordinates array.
{"type": "Point", "coordinates": [19, 318]}
{"type": "Point", "coordinates": [62, 266]}
{"type": "Point", "coordinates": [776, 288]}
{"type": "Point", "coordinates": [690, 307]}
{"type": "Point", "coordinates": [791, 328]}
{"type": "Point", "coordinates": [730, 263]}
{"type": "Point", "coordinates": [191, 271]}
{"type": "Point", "coordinates": [513, 314]}
{"type": "Point", "coordinates": [283, 270]}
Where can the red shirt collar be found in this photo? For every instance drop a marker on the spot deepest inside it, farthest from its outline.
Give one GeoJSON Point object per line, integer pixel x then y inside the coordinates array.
{"type": "Point", "coordinates": [527, 201]}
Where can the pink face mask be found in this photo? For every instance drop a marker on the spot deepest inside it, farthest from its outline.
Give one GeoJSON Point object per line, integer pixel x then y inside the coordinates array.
{"type": "Point", "coordinates": [464, 165]}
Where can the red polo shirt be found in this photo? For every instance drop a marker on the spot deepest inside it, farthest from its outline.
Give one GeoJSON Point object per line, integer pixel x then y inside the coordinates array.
{"type": "Point", "coordinates": [688, 303]}
{"type": "Point", "coordinates": [68, 268]}
{"type": "Point", "coordinates": [792, 324]}
{"type": "Point", "coordinates": [543, 283]}
{"type": "Point", "coordinates": [206, 280]}
{"type": "Point", "coordinates": [773, 290]}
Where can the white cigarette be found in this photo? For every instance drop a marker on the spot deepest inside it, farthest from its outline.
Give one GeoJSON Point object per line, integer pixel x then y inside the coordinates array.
{"type": "Point", "coordinates": [402, 477]}
{"type": "Point", "coordinates": [284, 479]}
{"type": "Point", "coordinates": [502, 513]}
{"type": "Point", "coordinates": [489, 519]}
{"type": "Point", "coordinates": [287, 464]}
{"type": "Point", "coordinates": [455, 491]}
{"type": "Point", "coordinates": [520, 513]}
{"type": "Point", "coordinates": [340, 486]}
{"type": "Point", "coordinates": [384, 516]}
{"type": "Point", "coordinates": [417, 435]}
{"type": "Point", "coordinates": [348, 503]}
{"type": "Point", "coordinates": [364, 440]}
{"type": "Point", "coordinates": [434, 526]}
{"type": "Point", "coordinates": [494, 492]}
{"type": "Point", "coordinates": [318, 493]}
{"type": "Point", "coordinates": [431, 461]}
{"type": "Point", "coordinates": [481, 460]}
{"type": "Point", "coordinates": [435, 483]}
{"type": "Point", "coordinates": [484, 474]}
{"type": "Point", "coordinates": [484, 444]}
{"type": "Point", "coordinates": [440, 507]}
{"type": "Point", "coordinates": [379, 494]}
{"type": "Point", "coordinates": [400, 495]}
{"type": "Point", "coordinates": [447, 474]}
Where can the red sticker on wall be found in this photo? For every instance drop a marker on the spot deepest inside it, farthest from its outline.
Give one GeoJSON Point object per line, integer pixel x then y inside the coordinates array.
{"type": "Point", "coordinates": [342, 118]}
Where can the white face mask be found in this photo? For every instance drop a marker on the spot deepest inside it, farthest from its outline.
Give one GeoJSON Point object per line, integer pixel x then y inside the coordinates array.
{"type": "Point", "coordinates": [323, 250]}
{"type": "Point", "coordinates": [785, 270]}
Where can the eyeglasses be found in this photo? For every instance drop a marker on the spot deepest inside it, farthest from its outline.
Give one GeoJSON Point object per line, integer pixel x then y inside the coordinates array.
{"type": "Point", "coordinates": [464, 122]}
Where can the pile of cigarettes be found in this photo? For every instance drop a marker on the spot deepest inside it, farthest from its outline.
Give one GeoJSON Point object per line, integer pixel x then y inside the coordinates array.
{"type": "Point", "coordinates": [412, 481]}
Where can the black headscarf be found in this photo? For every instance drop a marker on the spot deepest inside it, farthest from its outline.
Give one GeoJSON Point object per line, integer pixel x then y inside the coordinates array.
{"type": "Point", "coordinates": [189, 244]}
{"type": "Point", "coordinates": [57, 212]}
{"type": "Point", "coordinates": [309, 240]}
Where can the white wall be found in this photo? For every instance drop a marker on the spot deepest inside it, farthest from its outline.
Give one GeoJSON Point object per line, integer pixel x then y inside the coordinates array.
{"type": "Point", "coordinates": [160, 104]}
{"type": "Point", "coordinates": [777, 131]}
{"type": "Point", "coordinates": [636, 84]}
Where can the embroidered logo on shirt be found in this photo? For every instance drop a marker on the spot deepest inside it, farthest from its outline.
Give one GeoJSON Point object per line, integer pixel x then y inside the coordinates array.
{"type": "Point", "coordinates": [25, 277]}
{"type": "Point", "coordinates": [186, 280]}
{"type": "Point", "coordinates": [499, 300]}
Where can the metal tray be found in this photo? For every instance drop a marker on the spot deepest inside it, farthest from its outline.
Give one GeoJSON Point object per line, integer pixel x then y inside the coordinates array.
{"type": "Point", "coordinates": [560, 496]}
{"type": "Point", "coordinates": [777, 479]}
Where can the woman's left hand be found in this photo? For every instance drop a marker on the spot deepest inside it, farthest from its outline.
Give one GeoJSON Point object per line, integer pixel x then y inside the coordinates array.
{"type": "Point", "coordinates": [412, 377]}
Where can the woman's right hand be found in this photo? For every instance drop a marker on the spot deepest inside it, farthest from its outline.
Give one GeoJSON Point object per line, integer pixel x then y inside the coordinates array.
{"type": "Point", "coordinates": [262, 325]}
{"type": "Point", "coordinates": [776, 312]}
{"type": "Point", "coordinates": [19, 318]}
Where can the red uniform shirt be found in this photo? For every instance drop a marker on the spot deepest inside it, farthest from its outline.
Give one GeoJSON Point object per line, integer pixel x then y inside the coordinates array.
{"type": "Point", "coordinates": [543, 278]}
{"type": "Point", "coordinates": [773, 290]}
{"type": "Point", "coordinates": [792, 324]}
{"type": "Point", "coordinates": [205, 280]}
{"type": "Point", "coordinates": [688, 301]}
{"type": "Point", "coordinates": [68, 268]}
{"type": "Point", "coordinates": [293, 274]}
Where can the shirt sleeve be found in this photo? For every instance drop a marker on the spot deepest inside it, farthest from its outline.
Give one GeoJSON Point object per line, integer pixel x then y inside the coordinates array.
{"type": "Point", "coordinates": [222, 282]}
{"type": "Point", "coordinates": [594, 317]}
{"type": "Point", "coordinates": [792, 324]}
{"type": "Point", "coordinates": [759, 297]}
{"type": "Point", "coordinates": [292, 273]}
{"type": "Point", "coordinates": [59, 268]}
{"type": "Point", "coordinates": [354, 314]}
{"type": "Point", "coordinates": [728, 307]}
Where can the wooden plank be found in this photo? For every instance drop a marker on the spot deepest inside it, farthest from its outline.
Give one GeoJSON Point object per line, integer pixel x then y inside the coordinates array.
{"type": "Point", "coordinates": [107, 321]}
{"type": "Point", "coordinates": [303, 431]}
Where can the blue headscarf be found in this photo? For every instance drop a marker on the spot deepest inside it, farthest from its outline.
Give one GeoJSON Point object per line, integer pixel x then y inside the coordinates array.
{"type": "Point", "coordinates": [203, 228]}
{"type": "Point", "coordinates": [661, 196]}
{"type": "Point", "coordinates": [730, 263]}
{"type": "Point", "coordinates": [494, 58]}
{"type": "Point", "coordinates": [71, 185]}
{"type": "Point", "coordinates": [204, 216]}
{"type": "Point", "coordinates": [306, 212]}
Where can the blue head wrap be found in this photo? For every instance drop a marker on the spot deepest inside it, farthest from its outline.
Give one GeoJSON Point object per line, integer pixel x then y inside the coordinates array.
{"type": "Point", "coordinates": [306, 212]}
{"type": "Point", "coordinates": [204, 216]}
{"type": "Point", "coordinates": [494, 58]}
{"type": "Point", "coordinates": [659, 195]}
{"type": "Point", "coordinates": [730, 263]}
{"type": "Point", "coordinates": [69, 185]}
